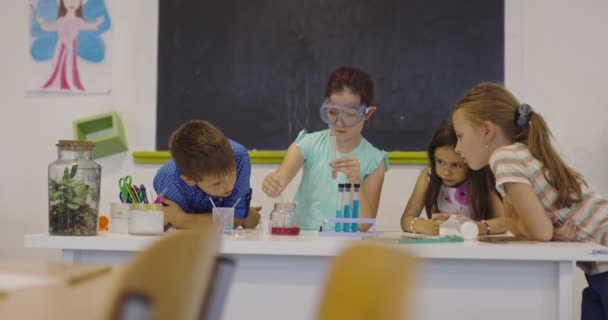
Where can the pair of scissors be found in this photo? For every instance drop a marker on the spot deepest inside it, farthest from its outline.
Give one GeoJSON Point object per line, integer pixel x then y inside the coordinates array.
{"type": "Point", "coordinates": [124, 183]}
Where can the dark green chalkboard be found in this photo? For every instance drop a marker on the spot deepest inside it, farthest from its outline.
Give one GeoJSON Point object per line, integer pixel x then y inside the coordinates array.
{"type": "Point", "coordinates": [257, 68]}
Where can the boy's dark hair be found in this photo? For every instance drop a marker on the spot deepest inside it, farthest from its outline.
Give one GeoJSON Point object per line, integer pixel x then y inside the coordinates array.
{"type": "Point", "coordinates": [482, 181]}
{"type": "Point", "coordinates": [199, 149]}
{"type": "Point", "coordinates": [357, 80]}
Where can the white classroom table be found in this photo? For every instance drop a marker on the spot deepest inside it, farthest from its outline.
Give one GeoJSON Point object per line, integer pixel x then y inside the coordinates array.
{"type": "Point", "coordinates": [281, 277]}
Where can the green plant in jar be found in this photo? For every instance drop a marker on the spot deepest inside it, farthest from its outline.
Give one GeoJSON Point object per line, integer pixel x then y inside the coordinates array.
{"type": "Point", "coordinates": [68, 208]}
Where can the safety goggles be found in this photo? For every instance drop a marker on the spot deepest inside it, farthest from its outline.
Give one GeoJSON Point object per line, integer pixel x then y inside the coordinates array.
{"type": "Point", "coordinates": [349, 115]}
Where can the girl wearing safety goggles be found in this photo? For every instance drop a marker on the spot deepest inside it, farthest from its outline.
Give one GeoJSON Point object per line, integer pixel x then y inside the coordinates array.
{"type": "Point", "coordinates": [349, 103]}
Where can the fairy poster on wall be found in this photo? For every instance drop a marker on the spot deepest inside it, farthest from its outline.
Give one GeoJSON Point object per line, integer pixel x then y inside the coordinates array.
{"type": "Point", "coordinates": [70, 46]}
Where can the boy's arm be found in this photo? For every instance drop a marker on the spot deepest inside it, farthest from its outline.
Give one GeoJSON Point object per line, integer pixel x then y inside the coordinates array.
{"type": "Point", "coordinates": [530, 217]}
{"type": "Point", "coordinates": [181, 220]}
{"type": "Point", "coordinates": [252, 219]}
{"type": "Point", "coordinates": [244, 215]}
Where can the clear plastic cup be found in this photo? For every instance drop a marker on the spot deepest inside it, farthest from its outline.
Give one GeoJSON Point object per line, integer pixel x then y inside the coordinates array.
{"type": "Point", "coordinates": [224, 217]}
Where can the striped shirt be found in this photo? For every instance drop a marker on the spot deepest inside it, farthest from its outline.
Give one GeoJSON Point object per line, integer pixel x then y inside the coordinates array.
{"type": "Point", "coordinates": [514, 163]}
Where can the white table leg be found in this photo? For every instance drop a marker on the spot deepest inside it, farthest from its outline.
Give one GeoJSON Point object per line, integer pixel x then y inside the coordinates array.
{"type": "Point", "coordinates": [70, 256]}
{"type": "Point", "coordinates": [565, 287]}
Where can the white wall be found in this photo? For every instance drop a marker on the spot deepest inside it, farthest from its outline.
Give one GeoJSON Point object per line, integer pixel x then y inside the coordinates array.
{"type": "Point", "coordinates": [555, 60]}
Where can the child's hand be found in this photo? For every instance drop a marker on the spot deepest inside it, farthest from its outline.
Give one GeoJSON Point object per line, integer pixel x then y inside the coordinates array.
{"type": "Point", "coordinates": [172, 210]}
{"type": "Point", "coordinates": [99, 21]}
{"type": "Point", "coordinates": [253, 218]}
{"type": "Point", "coordinates": [272, 185]}
{"type": "Point", "coordinates": [349, 166]}
{"type": "Point", "coordinates": [430, 226]}
{"type": "Point", "coordinates": [565, 231]}
{"type": "Point", "coordinates": [441, 216]}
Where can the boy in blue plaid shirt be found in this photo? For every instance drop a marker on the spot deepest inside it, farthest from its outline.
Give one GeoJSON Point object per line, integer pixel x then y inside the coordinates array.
{"type": "Point", "coordinates": [205, 168]}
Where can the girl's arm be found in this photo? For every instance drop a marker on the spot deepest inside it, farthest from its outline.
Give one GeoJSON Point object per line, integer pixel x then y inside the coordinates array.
{"type": "Point", "coordinates": [528, 215]}
{"type": "Point", "coordinates": [369, 196]}
{"type": "Point", "coordinates": [416, 203]}
{"type": "Point", "coordinates": [45, 25]}
{"type": "Point", "coordinates": [275, 182]}
{"type": "Point", "coordinates": [511, 220]}
{"type": "Point", "coordinates": [415, 206]}
{"type": "Point", "coordinates": [85, 25]}
{"type": "Point", "coordinates": [497, 223]}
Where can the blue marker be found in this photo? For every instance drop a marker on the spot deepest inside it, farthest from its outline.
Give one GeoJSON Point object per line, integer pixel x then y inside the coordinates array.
{"type": "Point", "coordinates": [355, 226]}
{"type": "Point", "coordinates": [339, 207]}
{"type": "Point", "coordinates": [144, 193]}
{"type": "Point", "coordinates": [346, 198]}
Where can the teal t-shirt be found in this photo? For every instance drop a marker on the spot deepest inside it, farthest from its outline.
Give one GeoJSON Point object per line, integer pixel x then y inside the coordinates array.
{"type": "Point", "coordinates": [317, 194]}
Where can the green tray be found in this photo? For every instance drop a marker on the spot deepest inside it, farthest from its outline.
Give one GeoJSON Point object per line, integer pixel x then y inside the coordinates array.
{"type": "Point", "coordinates": [441, 239]}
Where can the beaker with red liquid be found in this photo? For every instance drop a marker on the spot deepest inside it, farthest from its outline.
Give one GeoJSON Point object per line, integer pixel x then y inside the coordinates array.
{"type": "Point", "coordinates": [285, 220]}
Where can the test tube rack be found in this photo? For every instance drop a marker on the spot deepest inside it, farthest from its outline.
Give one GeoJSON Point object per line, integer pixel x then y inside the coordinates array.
{"type": "Point", "coordinates": [325, 231]}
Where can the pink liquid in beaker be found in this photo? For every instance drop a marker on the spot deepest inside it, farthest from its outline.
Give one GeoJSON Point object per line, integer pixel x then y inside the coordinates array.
{"type": "Point", "coordinates": [290, 231]}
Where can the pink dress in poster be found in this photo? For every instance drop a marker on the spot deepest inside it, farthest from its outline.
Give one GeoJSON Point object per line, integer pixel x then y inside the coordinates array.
{"type": "Point", "coordinates": [65, 74]}
{"type": "Point", "coordinates": [63, 32]}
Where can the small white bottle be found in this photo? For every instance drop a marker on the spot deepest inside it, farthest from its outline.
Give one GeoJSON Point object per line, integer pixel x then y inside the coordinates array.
{"type": "Point", "coordinates": [469, 230]}
{"type": "Point", "coordinates": [459, 226]}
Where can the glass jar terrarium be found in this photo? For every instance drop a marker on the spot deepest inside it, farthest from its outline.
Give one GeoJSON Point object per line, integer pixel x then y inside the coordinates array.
{"type": "Point", "coordinates": [74, 180]}
{"type": "Point", "coordinates": [284, 219]}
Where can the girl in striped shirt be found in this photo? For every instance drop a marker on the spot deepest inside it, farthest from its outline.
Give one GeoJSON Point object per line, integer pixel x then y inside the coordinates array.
{"type": "Point", "coordinates": [543, 198]}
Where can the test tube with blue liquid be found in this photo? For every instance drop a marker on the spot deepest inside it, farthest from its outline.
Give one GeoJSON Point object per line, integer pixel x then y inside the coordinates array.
{"type": "Point", "coordinates": [355, 213]}
{"type": "Point", "coordinates": [338, 226]}
{"type": "Point", "coordinates": [347, 200]}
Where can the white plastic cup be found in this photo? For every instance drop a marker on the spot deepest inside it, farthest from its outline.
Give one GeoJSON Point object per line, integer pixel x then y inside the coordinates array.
{"type": "Point", "coordinates": [119, 225]}
{"type": "Point", "coordinates": [119, 210]}
{"type": "Point", "coordinates": [224, 218]}
{"type": "Point", "coordinates": [119, 218]}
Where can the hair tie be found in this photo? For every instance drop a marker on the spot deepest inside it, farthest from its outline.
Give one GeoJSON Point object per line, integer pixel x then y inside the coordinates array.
{"type": "Point", "coordinates": [522, 116]}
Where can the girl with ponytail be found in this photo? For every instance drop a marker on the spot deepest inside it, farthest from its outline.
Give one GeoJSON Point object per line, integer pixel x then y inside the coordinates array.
{"type": "Point", "coordinates": [543, 198]}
